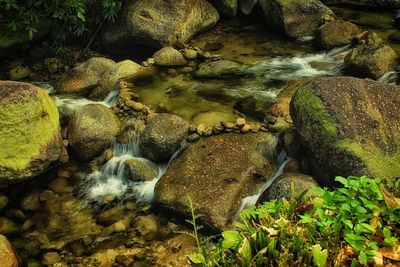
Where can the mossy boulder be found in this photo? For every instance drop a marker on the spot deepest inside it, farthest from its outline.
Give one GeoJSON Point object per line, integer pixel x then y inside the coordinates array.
{"type": "Point", "coordinates": [371, 60]}
{"type": "Point", "coordinates": [162, 137]}
{"type": "Point", "coordinates": [30, 136]}
{"type": "Point", "coordinates": [158, 23]}
{"type": "Point", "coordinates": [216, 173]}
{"type": "Point", "coordinates": [349, 126]}
{"type": "Point", "coordinates": [336, 33]}
{"type": "Point", "coordinates": [91, 129]}
{"type": "Point", "coordinates": [96, 77]}
{"type": "Point", "coordinates": [295, 18]}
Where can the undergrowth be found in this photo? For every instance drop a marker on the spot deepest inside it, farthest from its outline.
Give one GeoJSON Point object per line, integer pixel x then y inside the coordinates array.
{"type": "Point", "coordinates": [355, 225]}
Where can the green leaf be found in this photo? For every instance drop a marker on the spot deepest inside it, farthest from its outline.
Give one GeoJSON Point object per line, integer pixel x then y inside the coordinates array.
{"type": "Point", "coordinates": [231, 239]}
{"type": "Point", "coordinates": [245, 250]}
{"type": "Point", "coordinates": [319, 256]}
{"type": "Point", "coordinates": [197, 258]}
{"type": "Point", "coordinates": [342, 180]}
{"type": "Point", "coordinates": [363, 258]}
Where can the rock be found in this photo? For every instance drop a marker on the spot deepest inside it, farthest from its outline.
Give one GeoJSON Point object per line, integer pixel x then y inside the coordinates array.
{"type": "Point", "coordinates": [141, 170]}
{"type": "Point", "coordinates": [226, 8]}
{"type": "Point", "coordinates": [169, 56]}
{"type": "Point", "coordinates": [147, 226]}
{"type": "Point", "coordinates": [233, 171]}
{"type": "Point", "coordinates": [30, 202]}
{"type": "Point", "coordinates": [19, 73]}
{"type": "Point", "coordinates": [8, 258]}
{"type": "Point", "coordinates": [193, 138]}
{"type": "Point", "coordinates": [349, 126]}
{"type": "Point", "coordinates": [51, 258]}
{"type": "Point", "coordinates": [97, 76]}
{"type": "Point", "coordinates": [30, 135]}
{"type": "Point", "coordinates": [371, 60]}
{"type": "Point", "coordinates": [282, 187]}
{"type": "Point", "coordinates": [369, 4]}
{"type": "Point", "coordinates": [190, 54]}
{"type": "Point", "coordinates": [7, 227]}
{"type": "Point", "coordinates": [158, 23]}
{"type": "Point", "coordinates": [111, 216]}
{"type": "Point", "coordinates": [220, 69]}
{"type": "Point", "coordinates": [247, 6]}
{"type": "Point", "coordinates": [3, 201]}
{"type": "Point", "coordinates": [163, 136]}
{"type": "Point", "coordinates": [246, 128]}
{"type": "Point", "coordinates": [91, 130]}
{"type": "Point", "coordinates": [336, 33]}
{"type": "Point", "coordinates": [240, 122]}
{"type": "Point", "coordinates": [118, 227]}
{"type": "Point", "coordinates": [295, 18]}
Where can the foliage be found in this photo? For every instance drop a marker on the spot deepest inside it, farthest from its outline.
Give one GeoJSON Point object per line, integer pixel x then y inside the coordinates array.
{"type": "Point", "coordinates": [357, 224]}
{"type": "Point", "coordinates": [70, 16]}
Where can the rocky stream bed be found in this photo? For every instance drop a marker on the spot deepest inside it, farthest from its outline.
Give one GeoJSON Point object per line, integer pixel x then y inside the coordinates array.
{"type": "Point", "coordinates": [236, 103]}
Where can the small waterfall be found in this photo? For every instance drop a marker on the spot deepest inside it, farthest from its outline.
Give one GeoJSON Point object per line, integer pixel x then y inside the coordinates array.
{"type": "Point", "coordinates": [330, 63]}
{"type": "Point", "coordinates": [67, 105]}
{"type": "Point", "coordinates": [273, 152]}
{"type": "Point", "coordinates": [388, 78]}
{"type": "Point", "coordinates": [112, 179]}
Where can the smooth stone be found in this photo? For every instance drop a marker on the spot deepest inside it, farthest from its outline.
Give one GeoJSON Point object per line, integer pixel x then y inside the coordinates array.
{"type": "Point", "coordinates": [169, 56]}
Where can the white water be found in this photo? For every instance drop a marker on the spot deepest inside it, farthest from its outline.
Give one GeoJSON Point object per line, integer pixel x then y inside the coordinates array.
{"type": "Point", "coordinates": [67, 105]}
{"type": "Point", "coordinates": [388, 78]}
{"type": "Point", "coordinates": [329, 63]}
{"type": "Point", "coordinates": [270, 152]}
{"type": "Point", "coordinates": [112, 178]}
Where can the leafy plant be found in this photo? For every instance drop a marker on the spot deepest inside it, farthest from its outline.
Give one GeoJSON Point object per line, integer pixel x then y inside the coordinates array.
{"type": "Point", "coordinates": [70, 16]}
{"type": "Point", "coordinates": [357, 224]}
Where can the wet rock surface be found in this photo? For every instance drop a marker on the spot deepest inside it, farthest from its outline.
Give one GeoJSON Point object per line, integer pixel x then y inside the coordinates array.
{"type": "Point", "coordinates": [91, 130]}
{"type": "Point", "coordinates": [162, 137]}
{"type": "Point", "coordinates": [336, 33]}
{"type": "Point", "coordinates": [8, 257]}
{"type": "Point", "coordinates": [349, 126]}
{"type": "Point", "coordinates": [216, 173]}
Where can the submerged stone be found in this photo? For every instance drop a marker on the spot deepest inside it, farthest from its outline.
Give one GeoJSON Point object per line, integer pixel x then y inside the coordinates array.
{"type": "Point", "coordinates": [216, 173]}
{"type": "Point", "coordinates": [30, 136]}
{"type": "Point", "coordinates": [349, 126]}
{"type": "Point", "coordinates": [220, 69]}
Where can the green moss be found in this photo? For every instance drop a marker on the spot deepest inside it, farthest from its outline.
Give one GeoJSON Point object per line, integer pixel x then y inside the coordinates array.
{"type": "Point", "coordinates": [27, 125]}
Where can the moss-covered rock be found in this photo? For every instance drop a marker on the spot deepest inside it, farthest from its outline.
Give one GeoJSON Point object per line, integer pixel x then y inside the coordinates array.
{"type": "Point", "coordinates": [91, 130]}
{"type": "Point", "coordinates": [295, 18]}
{"type": "Point", "coordinates": [349, 126]}
{"type": "Point", "coordinates": [371, 60]}
{"type": "Point", "coordinates": [30, 136]}
{"type": "Point", "coordinates": [217, 173]}
{"type": "Point", "coordinates": [336, 33]}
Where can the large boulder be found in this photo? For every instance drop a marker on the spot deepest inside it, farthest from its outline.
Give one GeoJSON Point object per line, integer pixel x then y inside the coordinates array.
{"type": "Point", "coordinates": [158, 23]}
{"type": "Point", "coordinates": [349, 126]}
{"type": "Point", "coordinates": [336, 33]}
{"type": "Point", "coordinates": [162, 137]}
{"type": "Point", "coordinates": [96, 77]}
{"type": "Point", "coordinates": [216, 173]}
{"type": "Point", "coordinates": [295, 18]}
{"type": "Point", "coordinates": [382, 4]}
{"type": "Point", "coordinates": [371, 60]}
{"type": "Point", "coordinates": [30, 135]}
{"type": "Point", "coordinates": [226, 8]}
{"type": "Point", "coordinates": [91, 129]}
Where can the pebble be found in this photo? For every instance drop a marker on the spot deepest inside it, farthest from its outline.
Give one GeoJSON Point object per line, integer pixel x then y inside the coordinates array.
{"type": "Point", "coordinates": [46, 195]}
{"type": "Point", "coordinates": [27, 225]}
{"type": "Point", "coordinates": [31, 202]}
{"type": "Point", "coordinates": [192, 128]}
{"type": "Point", "coordinates": [3, 201]}
{"type": "Point", "coordinates": [230, 125]}
{"type": "Point", "coordinates": [200, 129]}
{"type": "Point", "coordinates": [19, 73]}
{"type": "Point", "coordinates": [255, 128]}
{"type": "Point", "coordinates": [60, 185]}
{"type": "Point", "coordinates": [240, 122]}
{"type": "Point", "coordinates": [217, 129]}
{"type": "Point", "coordinates": [192, 137]}
{"type": "Point", "coordinates": [186, 70]}
{"type": "Point", "coordinates": [190, 54]}
{"type": "Point", "coordinates": [63, 173]}
{"type": "Point", "coordinates": [7, 227]}
{"type": "Point", "coordinates": [51, 258]}
{"type": "Point", "coordinates": [117, 227]}
{"type": "Point", "coordinates": [246, 128]}
{"type": "Point", "coordinates": [208, 131]}
{"type": "Point", "coordinates": [151, 61]}
{"type": "Point", "coordinates": [137, 106]}
{"type": "Point", "coordinates": [263, 129]}
{"type": "Point", "coordinates": [16, 214]}
{"type": "Point", "coordinates": [270, 119]}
